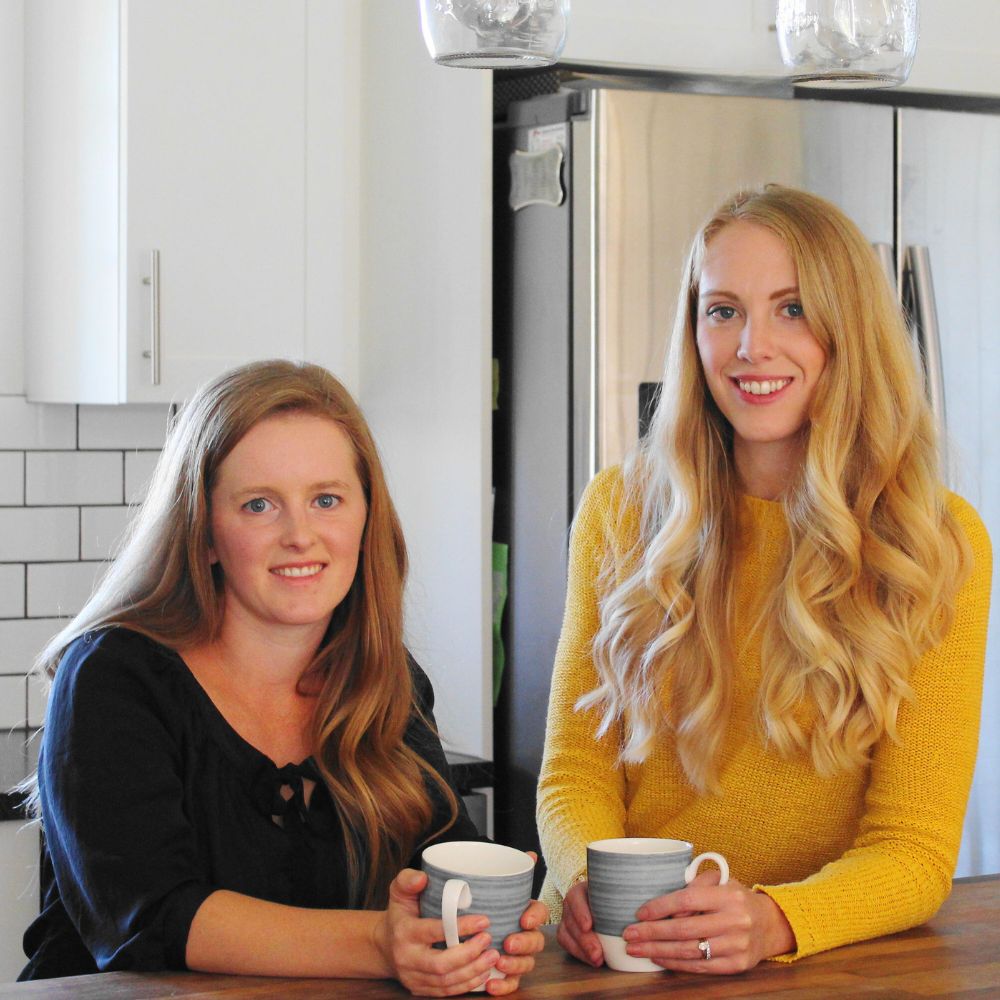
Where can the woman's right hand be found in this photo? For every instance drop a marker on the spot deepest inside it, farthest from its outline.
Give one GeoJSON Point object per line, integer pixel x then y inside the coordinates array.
{"type": "Point", "coordinates": [405, 940]}
{"type": "Point", "coordinates": [576, 930]}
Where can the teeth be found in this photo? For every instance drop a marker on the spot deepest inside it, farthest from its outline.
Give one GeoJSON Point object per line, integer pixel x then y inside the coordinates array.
{"type": "Point", "coordinates": [763, 388]}
{"type": "Point", "coordinates": [298, 570]}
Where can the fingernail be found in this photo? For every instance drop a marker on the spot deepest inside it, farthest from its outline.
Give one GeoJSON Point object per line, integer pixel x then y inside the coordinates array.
{"type": "Point", "coordinates": [630, 934]}
{"type": "Point", "coordinates": [482, 923]}
{"type": "Point", "coordinates": [642, 913]}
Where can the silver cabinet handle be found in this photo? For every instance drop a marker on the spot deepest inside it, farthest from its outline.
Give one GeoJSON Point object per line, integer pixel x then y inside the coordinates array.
{"type": "Point", "coordinates": [154, 316]}
{"type": "Point", "coordinates": [924, 319]}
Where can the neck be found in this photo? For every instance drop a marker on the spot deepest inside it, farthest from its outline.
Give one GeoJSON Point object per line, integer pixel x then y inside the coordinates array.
{"type": "Point", "coordinates": [766, 469]}
{"type": "Point", "coordinates": [265, 658]}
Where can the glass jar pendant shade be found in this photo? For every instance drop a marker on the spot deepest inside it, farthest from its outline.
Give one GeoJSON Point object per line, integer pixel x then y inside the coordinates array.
{"type": "Point", "coordinates": [847, 43]}
{"type": "Point", "coordinates": [494, 34]}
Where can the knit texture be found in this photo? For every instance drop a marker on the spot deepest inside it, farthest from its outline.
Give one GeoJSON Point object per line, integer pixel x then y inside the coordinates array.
{"type": "Point", "coordinates": [847, 857]}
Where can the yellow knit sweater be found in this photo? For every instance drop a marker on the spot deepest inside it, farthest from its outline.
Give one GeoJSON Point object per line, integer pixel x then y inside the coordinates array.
{"type": "Point", "coordinates": [847, 857]}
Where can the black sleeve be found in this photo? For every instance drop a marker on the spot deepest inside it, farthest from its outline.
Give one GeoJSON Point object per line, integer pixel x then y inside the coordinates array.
{"type": "Point", "coordinates": [424, 739]}
{"type": "Point", "coordinates": [124, 854]}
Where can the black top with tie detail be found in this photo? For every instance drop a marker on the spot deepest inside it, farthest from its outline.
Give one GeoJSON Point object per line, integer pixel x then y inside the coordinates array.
{"type": "Point", "coordinates": [151, 801]}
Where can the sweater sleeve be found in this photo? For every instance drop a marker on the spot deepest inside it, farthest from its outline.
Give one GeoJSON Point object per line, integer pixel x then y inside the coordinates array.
{"type": "Point", "coordinates": [898, 870]}
{"type": "Point", "coordinates": [581, 789]}
{"type": "Point", "coordinates": [124, 853]}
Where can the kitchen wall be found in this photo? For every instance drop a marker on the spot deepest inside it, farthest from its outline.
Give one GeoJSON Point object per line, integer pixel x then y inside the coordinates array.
{"type": "Point", "coordinates": [67, 476]}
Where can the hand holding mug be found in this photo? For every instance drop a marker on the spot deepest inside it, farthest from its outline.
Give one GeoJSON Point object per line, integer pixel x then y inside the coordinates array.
{"type": "Point", "coordinates": [406, 942]}
{"type": "Point", "coordinates": [492, 881]}
{"type": "Point", "coordinates": [626, 875]}
{"type": "Point", "coordinates": [728, 924]}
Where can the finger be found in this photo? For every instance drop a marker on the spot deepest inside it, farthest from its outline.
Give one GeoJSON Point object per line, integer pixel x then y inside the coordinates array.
{"type": "Point", "coordinates": [691, 899]}
{"type": "Point", "coordinates": [524, 943]}
{"type": "Point", "coordinates": [515, 965]}
{"type": "Point", "coordinates": [577, 905]}
{"type": "Point", "coordinates": [449, 966]}
{"type": "Point", "coordinates": [426, 931]}
{"type": "Point", "coordinates": [532, 855]}
{"type": "Point", "coordinates": [585, 948]}
{"type": "Point", "coordinates": [690, 928]}
{"type": "Point", "coordinates": [502, 987]}
{"type": "Point", "coordinates": [409, 881]}
{"type": "Point", "coordinates": [535, 915]}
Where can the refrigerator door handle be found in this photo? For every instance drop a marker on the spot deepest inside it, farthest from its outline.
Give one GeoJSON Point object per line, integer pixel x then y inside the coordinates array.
{"type": "Point", "coordinates": [924, 324]}
{"type": "Point", "coordinates": [888, 261]}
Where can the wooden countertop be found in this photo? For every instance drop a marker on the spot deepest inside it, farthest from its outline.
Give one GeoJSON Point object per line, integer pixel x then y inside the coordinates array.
{"type": "Point", "coordinates": [956, 955]}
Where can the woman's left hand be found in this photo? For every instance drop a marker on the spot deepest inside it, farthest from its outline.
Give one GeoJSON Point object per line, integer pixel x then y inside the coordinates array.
{"type": "Point", "coordinates": [741, 928]}
{"type": "Point", "coordinates": [518, 956]}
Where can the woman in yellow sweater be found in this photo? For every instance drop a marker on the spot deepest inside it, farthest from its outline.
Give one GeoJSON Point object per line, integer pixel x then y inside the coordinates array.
{"type": "Point", "coordinates": [776, 616]}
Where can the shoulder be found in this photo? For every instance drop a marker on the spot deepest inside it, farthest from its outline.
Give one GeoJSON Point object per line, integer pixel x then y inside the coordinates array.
{"type": "Point", "coordinates": [423, 690]}
{"type": "Point", "coordinates": [971, 523]}
{"type": "Point", "coordinates": [112, 662]}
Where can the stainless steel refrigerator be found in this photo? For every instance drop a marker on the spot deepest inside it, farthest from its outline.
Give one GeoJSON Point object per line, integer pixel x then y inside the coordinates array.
{"type": "Point", "coordinates": [598, 192]}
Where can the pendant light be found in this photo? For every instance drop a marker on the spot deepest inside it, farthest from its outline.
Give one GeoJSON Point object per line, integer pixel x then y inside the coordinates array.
{"type": "Point", "coordinates": [494, 34]}
{"type": "Point", "coordinates": [847, 43]}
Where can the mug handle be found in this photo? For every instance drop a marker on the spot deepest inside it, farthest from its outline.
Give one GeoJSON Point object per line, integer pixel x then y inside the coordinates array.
{"type": "Point", "coordinates": [692, 869]}
{"type": "Point", "coordinates": [456, 895]}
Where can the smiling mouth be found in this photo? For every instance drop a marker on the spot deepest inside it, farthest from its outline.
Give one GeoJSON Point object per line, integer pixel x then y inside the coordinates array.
{"type": "Point", "coordinates": [761, 387]}
{"type": "Point", "coordinates": [298, 571]}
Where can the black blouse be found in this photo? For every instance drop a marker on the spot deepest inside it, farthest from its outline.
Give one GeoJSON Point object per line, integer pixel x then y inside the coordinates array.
{"type": "Point", "coordinates": [151, 801]}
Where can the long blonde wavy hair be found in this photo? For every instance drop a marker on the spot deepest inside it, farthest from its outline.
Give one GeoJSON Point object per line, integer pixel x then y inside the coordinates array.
{"type": "Point", "coordinates": [162, 585]}
{"type": "Point", "coordinates": [873, 560]}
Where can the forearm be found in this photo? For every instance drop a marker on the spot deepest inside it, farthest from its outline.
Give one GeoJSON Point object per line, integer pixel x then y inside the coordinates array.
{"type": "Point", "coordinates": [239, 934]}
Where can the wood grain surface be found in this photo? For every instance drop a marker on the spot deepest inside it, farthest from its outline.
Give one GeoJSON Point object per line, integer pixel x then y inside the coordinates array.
{"type": "Point", "coordinates": [955, 956]}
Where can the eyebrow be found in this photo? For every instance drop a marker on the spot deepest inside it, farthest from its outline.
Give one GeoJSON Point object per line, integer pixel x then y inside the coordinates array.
{"type": "Point", "coordinates": [780, 293]}
{"type": "Point", "coordinates": [331, 484]}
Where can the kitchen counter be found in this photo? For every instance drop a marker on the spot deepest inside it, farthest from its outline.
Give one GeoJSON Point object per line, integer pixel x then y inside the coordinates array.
{"type": "Point", "coordinates": [19, 756]}
{"type": "Point", "coordinates": [953, 955]}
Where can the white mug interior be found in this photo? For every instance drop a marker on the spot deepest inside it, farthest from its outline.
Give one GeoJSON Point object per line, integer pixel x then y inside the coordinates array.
{"type": "Point", "coordinates": [472, 857]}
{"type": "Point", "coordinates": [640, 845]}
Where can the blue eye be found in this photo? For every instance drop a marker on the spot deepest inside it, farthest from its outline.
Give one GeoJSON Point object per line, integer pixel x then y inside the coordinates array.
{"type": "Point", "coordinates": [722, 312]}
{"type": "Point", "coordinates": [794, 310]}
{"type": "Point", "coordinates": [257, 506]}
{"type": "Point", "coordinates": [327, 501]}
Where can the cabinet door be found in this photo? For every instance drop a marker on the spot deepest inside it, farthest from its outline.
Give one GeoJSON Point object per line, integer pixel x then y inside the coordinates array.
{"type": "Point", "coordinates": [213, 178]}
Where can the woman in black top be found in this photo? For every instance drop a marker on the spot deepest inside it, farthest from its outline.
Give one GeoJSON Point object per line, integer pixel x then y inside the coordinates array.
{"type": "Point", "coordinates": [239, 756]}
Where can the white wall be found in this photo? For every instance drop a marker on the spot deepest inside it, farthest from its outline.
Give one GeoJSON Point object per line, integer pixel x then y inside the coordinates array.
{"type": "Point", "coordinates": [426, 345]}
{"type": "Point", "coordinates": [958, 50]}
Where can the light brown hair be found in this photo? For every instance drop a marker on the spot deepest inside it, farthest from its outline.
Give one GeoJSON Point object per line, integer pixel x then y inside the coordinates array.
{"type": "Point", "coordinates": [162, 585]}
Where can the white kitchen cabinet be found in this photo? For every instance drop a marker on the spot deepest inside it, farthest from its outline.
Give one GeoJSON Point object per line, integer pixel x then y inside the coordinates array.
{"type": "Point", "coordinates": [178, 128]}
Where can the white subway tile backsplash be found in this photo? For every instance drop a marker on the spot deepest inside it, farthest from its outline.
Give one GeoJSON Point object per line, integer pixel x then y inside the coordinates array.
{"type": "Point", "coordinates": [39, 534]}
{"type": "Point", "coordinates": [76, 477]}
{"type": "Point", "coordinates": [38, 698]}
{"type": "Point", "coordinates": [11, 591]}
{"type": "Point", "coordinates": [100, 530]}
{"type": "Point", "coordinates": [12, 702]}
{"type": "Point", "coordinates": [61, 588]}
{"type": "Point", "coordinates": [139, 467]}
{"type": "Point", "coordinates": [67, 476]}
{"type": "Point", "coordinates": [133, 426]}
{"type": "Point", "coordinates": [22, 640]}
{"type": "Point", "coordinates": [11, 477]}
{"type": "Point", "coordinates": [36, 425]}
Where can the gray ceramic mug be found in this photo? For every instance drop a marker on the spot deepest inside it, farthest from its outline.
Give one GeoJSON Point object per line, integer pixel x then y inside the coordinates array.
{"type": "Point", "coordinates": [469, 876]}
{"type": "Point", "coordinates": [627, 872]}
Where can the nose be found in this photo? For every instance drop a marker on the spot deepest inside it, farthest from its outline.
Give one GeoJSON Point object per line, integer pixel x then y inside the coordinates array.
{"type": "Point", "coordinates": [756, 341]}
{"type": "Point", "coordinates": [296, 530]}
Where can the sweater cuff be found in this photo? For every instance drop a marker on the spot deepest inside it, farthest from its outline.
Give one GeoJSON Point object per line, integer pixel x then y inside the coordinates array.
{"type": "Point", "coordinates": [796, 918]}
